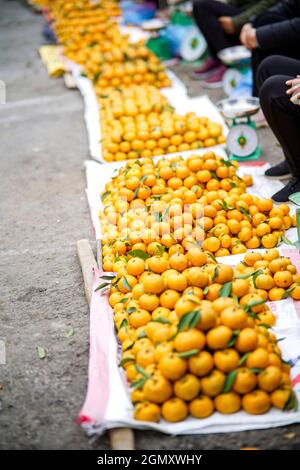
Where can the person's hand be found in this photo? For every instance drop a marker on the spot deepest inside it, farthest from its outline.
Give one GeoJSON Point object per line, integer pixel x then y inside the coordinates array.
{"type": "Point", "coordinates": [227, 24]}
{"type": "Point", "coordinates": [249, 38]}
{"type": "Point", "coordinates": [294, 90]}
{"type": "Point", "coordinates": [244, 31]}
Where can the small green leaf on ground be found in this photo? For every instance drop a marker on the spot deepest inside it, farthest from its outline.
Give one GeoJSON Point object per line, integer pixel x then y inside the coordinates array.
{"type": "Point", "coordinates": [70, 333]}
{"type": "Point", "coordinates": [41, 353]}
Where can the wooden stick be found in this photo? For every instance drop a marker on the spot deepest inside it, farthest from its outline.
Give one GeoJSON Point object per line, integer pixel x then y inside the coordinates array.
{"type": "Point", "coordinates": [120, 438]}
{"type": "Point", "coordinates": [87, 263]}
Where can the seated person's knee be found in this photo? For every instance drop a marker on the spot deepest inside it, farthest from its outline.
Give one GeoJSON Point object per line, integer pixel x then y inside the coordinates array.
{"type": "Point", "coordinates": [266, 69]}
{"type": "Point", "coordinates": [272, 87]}
{"type": "Point", "coordinates": [201, 5]}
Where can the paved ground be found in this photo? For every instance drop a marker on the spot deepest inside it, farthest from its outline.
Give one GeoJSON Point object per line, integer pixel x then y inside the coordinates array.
{"type": "Point", "coordinates": [43, 212]}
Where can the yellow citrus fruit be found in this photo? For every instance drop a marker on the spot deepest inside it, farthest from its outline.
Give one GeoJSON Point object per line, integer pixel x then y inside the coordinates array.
{"type": "Point", "coordinates": [212, 385]}
{"type": "Point", "coordinates": [218, 337]}
{"type": "Point", "coordinates": [201, 407]}
{"type": "Point", "coordinates": [256, 402]}
{"type": "Point", "coordinates": [187, 388]}
{"type": "Point", "coordinates": [228, 403]}
{"type": "Point", "coordinates": [234, 317]}
{"type": "Point", "coordinates": [174, 410]}
{"type": "Point", "coordinates": [157, 389]}
{"type": "Point", "coordinates": [188, 340]}
{"type": "Point", "coordinates": [201, 364]}
{"type": "Point", "coordinates": [147, 412]}
{"type": "Point", "coordinates": [172, 367]}
{"type": "Point", "coordinates": [226, 360]}
{"type": "Point", "coordinates": [269, 379]}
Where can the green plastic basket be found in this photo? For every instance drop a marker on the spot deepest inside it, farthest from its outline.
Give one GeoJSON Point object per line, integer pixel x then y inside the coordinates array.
{"type": "Point", "coordinates": [180, 18]}
{"type": "Point", "coordinates": [161, 47]}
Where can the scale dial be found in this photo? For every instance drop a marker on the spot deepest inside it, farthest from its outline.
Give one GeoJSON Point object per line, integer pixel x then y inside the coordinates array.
{"type": "Point", "coordinates": [242, 140]}
{"type": "Point", "coordinates": [231, 80]}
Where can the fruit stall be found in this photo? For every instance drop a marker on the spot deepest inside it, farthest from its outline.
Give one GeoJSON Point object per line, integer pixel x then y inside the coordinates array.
{"type": "Point", "coordinates": [195, 306]}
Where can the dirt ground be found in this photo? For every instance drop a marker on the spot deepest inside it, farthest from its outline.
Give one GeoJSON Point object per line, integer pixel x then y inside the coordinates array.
{"type": "Point", "coordinates": [43, 211]}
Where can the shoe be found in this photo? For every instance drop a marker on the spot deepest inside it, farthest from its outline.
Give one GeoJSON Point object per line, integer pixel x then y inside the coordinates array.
{"type": "Point", "coordinates": [292, 187]}
{"type": "Point", "coordinates": [280, 171]}
{"type": "Point", "coordinates": [215, 80]}
{"type": "Point", "coordinates": [206, 69]}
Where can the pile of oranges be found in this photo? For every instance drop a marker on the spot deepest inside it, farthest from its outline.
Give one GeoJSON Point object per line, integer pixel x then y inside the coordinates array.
{"type": "Point", "coordinates": [274, 276]}
{"type": "Point", "coordinates": [196, 340]}
{"type": "Point", "coordinates": [195, 333]}
{"type": "Point", "coordinates": [139, 122]}
{"type": "Point", "coordinates": [136, 118]}
{"type": "Point", "coordinates": [91, 37]}
{"type": "Point", "coordinates": [175, 206]}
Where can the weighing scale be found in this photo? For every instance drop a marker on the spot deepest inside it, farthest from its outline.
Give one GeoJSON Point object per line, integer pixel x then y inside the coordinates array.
{"type": "Point", "coordinates": [242, 139]}
{"type": "Point", "coordinates": [238, 60]}
{"type": "Point", "coordinates": [154, 25]}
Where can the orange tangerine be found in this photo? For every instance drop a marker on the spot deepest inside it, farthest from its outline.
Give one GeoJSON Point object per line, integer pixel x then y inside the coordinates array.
{"type": "Point", "coordinates": [256, 402]}
{"type": "Point", "coordinates": [218, 337]}
{"type": "Point", "coordinates": [245, 381]}
{"type": "Point", "coordinates": [259, 358]}
{"type": "Point", "coordinates": [269, 379]}
{"type": "Point", "coordinates": [178, 261]}
{"type": "Point", "coordinates": [187, 388]}
{"type": "Point", "coordinates": [283, 279]}
{"type": "Point", "coordinates": [147, 412]}
{"type": "Point", "coordinates": [226, 360]}
{"type": "Point", "coordinates": [234, 317]}
{"type": "Point", "coordinates": [188, 340]}
{"type": "Point", "coordinates": [213, 384]}
{"type": "Point", "coordinates": [135, 266]}
{"type": "Point", "coordinates": [157, 389]}
{"type": "Point", "coordinates": [169, 298]}
{"type": "Point", "coordinates": [201, 364]}
{"type": "Point", "coordinates": [174, 410]}
{"type": "Point", "coordinates": [247, 340]}
{"type": "Point", "coordinates": [153, 283]}
{"type": "Point", "coordinates": [201, 407]}
{"type": "Point", "coordinates": [172, 367]}
{"type": "Point", "coordinates": [228, 403]}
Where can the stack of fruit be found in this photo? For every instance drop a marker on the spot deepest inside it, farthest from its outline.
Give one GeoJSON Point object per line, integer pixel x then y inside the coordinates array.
{"type": "Point", "coordinates": [136, 118]}
{"type": "Point", "coordinates": [91, 37]}
{"type": "Point", "coordinates": [274, 276]}
{"type": "Point", "coordinates": [174, 205]}
{"type": "Point", "coordinates": [195, 334]}
{"type": "Point", "coordinates": [139, 122]}
{"type": "Point", "coordinates": [184, 354]}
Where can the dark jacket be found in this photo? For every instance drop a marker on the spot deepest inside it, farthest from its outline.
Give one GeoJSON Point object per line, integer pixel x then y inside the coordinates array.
{"type": "Point", "coordinates": [284, 31]}
{"type": "Point", "coordinates": [249, 9]}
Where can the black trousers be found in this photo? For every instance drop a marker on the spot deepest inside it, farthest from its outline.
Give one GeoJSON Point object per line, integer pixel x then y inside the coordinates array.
{"type": "Point", "coordinates": [280, 12]}
{"type": "Point", "coordinates": [206, 13]}
{"type": "Point", "coordinates": [283, 116]}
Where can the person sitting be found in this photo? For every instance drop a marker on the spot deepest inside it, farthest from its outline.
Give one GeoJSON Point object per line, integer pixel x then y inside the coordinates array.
{"type": "Point", "coordinates": [278, 83]}
{"type": "Point", "coordinates": [276, 31]}
{"type": "Point", "coordinates": [221, 23]}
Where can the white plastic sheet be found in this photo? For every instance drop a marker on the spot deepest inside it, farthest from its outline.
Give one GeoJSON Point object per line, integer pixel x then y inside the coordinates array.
{"type": "Point", "coordinates": [118, 410]}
